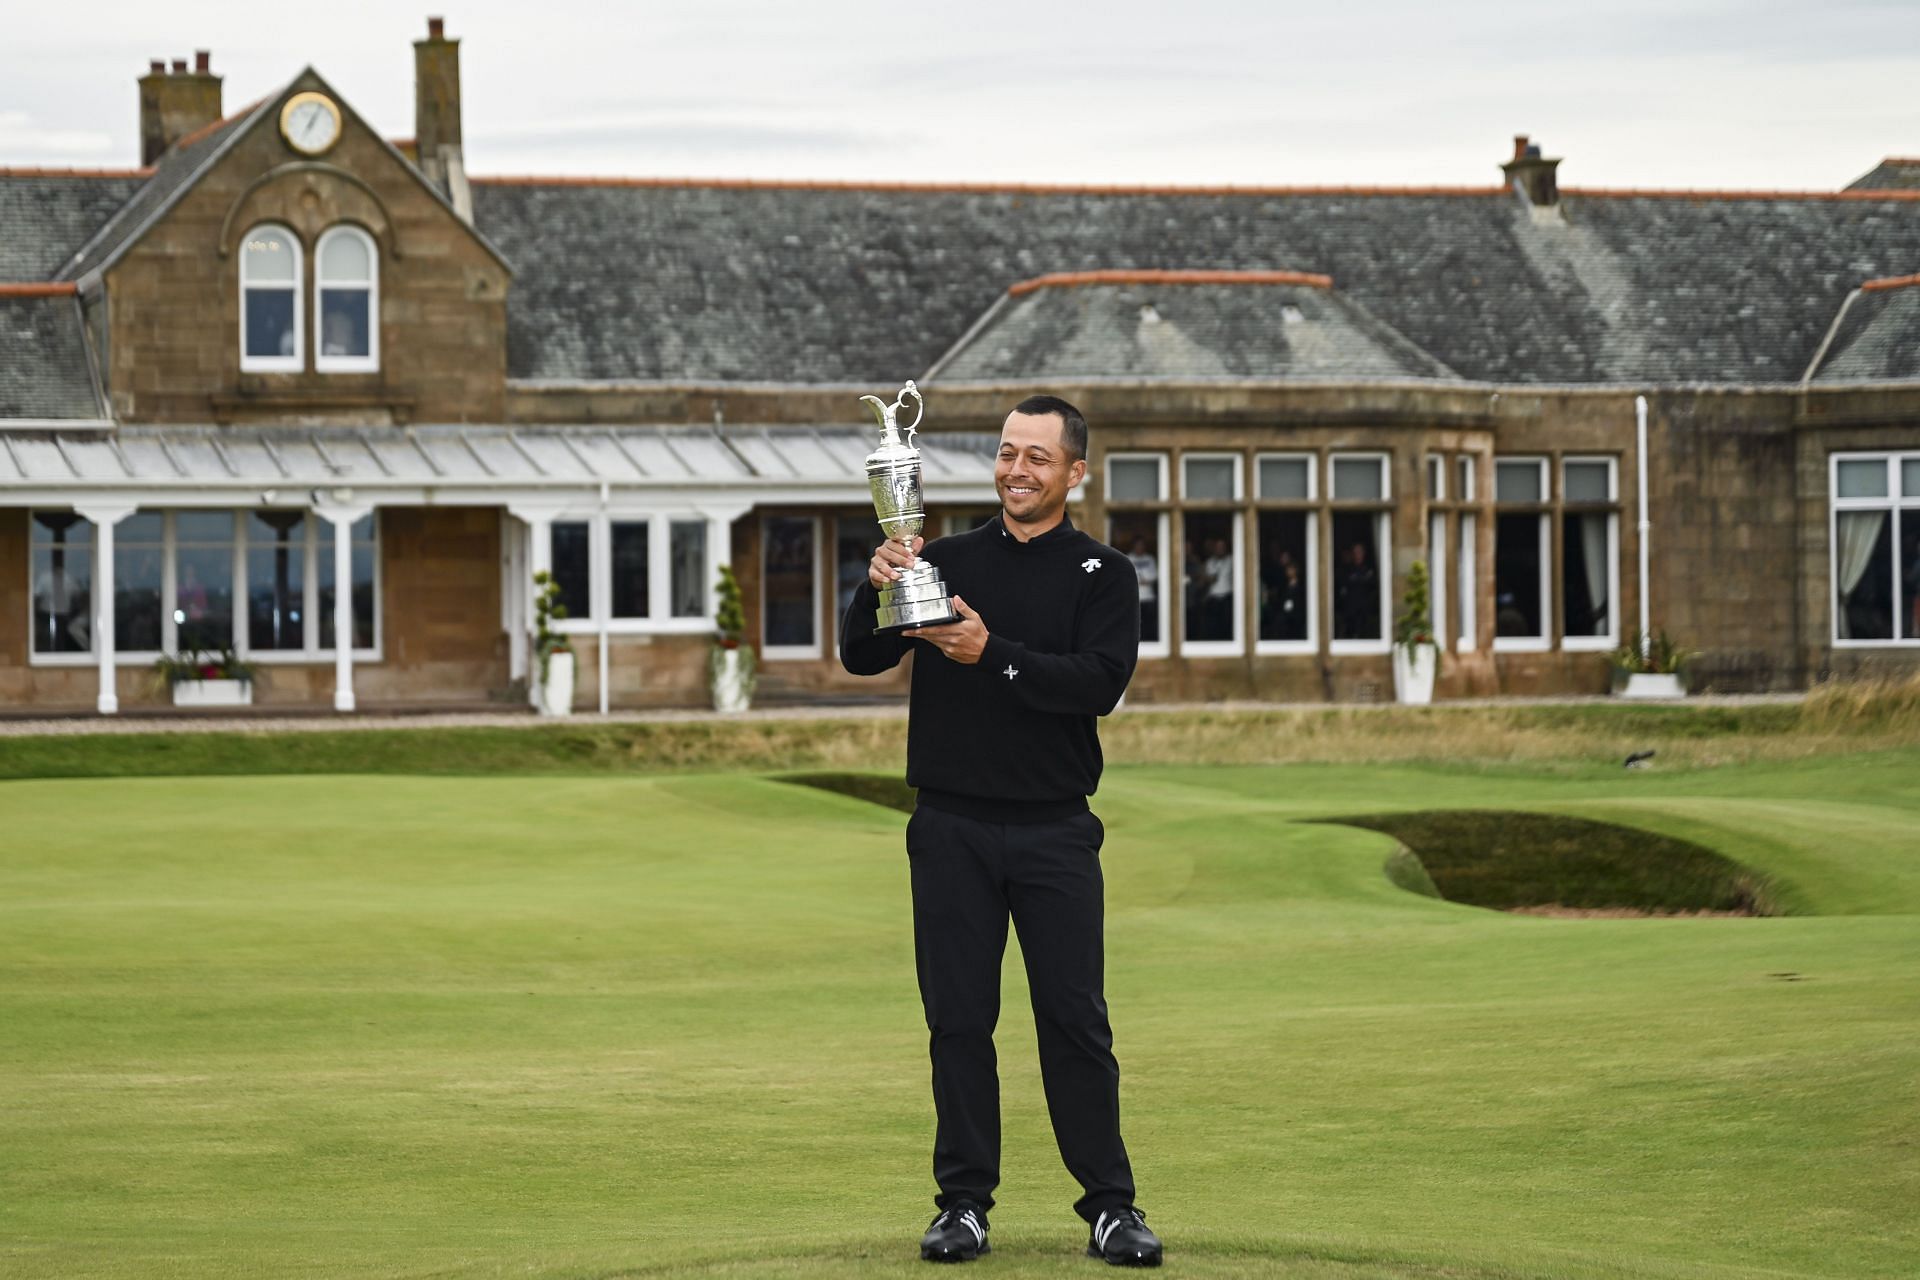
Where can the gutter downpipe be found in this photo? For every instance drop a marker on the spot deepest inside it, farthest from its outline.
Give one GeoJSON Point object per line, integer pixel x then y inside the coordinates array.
{"type": "Point", "coordinates": [605, 532]}
{"type": "Point", "coordinates": [1640, 459]}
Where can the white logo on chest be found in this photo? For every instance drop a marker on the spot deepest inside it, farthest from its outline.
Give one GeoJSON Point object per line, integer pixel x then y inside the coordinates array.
{"type": "Point", "coordinates": [1009, 673]}
{"type": "Point", "coordinates": [1090, 565]}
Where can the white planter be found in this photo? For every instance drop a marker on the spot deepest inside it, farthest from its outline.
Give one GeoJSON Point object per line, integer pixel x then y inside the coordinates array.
{"type": "Point", "coordinates": [556, 692]}
{"type": "Point", "coordinates": [1641, 685]}
{"type": "Point", "coordinates": [213, 693]}
{"type": "Point", "coordinates": [730, 692]}
{"type": "Point", "coordinates": [1413, 671]}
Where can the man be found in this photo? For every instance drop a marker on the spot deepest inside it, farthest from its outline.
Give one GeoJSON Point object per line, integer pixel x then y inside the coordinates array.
{"type": "Point", "coordinates": [1003, 746]}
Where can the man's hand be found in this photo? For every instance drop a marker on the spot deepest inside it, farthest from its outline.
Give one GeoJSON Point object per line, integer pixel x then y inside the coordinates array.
{"type": "Point", "coordinates": [889, 559]}
{"type": "Point", "coordinates": [963, 641]}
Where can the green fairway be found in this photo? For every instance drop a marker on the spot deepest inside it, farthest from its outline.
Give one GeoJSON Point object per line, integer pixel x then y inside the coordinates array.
{"type": "Point", "coordinates": [601, 1026]}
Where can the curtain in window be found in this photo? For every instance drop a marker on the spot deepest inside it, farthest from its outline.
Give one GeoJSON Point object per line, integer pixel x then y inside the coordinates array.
{"type": "Point", "coordinates": [1859, 535]}
{"type": "Point", "coordinates": [1593, 549]}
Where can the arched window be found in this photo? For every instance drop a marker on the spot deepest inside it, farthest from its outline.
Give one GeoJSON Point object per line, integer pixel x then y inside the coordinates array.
{"type": "Point", "coordinates": [270, 313]}
{"type": "Point", "coordinates": [347, 302]}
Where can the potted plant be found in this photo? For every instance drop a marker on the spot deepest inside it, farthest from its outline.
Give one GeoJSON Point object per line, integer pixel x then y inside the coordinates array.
{"type": "Point", "coordinates": [1416, 658]}
{"type": "Point", "coordinates": [555, 653]}
{"type": "Point", "coordinates": [200, 678]}
{"type": "Point", "coordinates": [1651, 669]}
{"type": "Point", "coordinates": [730, 667]}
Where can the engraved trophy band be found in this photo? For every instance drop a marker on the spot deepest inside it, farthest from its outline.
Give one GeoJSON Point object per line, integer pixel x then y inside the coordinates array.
{"type": "Point", "coordinates": [918, 597]}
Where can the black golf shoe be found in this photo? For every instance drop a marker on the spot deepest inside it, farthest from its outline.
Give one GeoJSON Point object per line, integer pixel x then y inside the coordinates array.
{"type": "Point", "coordinates": [1121, 1237]}
{"type": "Point", "coordinates": [959, 1234]}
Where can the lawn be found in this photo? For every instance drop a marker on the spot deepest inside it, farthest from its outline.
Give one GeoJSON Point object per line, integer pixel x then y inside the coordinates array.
{"type": "Point", "coordinates": [604, 1025]}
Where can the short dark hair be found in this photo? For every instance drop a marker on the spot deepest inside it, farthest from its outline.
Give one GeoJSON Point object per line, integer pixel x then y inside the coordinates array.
{"type": "Point", "coordinates": [1073, 427]}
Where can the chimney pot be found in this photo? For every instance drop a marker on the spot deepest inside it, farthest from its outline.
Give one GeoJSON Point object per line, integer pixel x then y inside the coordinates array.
{"type": "Point", "coordinates": [179, 66]}
{"type": "Point", "coordinates": [175, 104]}
{"type": "Point", "coordinates": [202, 61]}
{"type": "Point", "coordinates": [156, 66]}
{"type": "Point", "coordinates": [1519, 146]}
{"type": "Point", "coordinates": [1535, 175]}
{"type": "Point", "coordinates": [436, 28]}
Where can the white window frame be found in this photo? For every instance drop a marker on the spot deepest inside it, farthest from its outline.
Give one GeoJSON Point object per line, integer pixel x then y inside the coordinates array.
{"type": "Point", "coordinates": [1160, 459]}
{"type": "Point", "coordinates": [1282, 455]}
{"type": "Point", "coordinates": [1543, 520]}
{"type": "Point", "coordinates": [1163, 526]}
{"type": "Point", "coordinates": [1237, 646]}
{"type": "Point", "coordinates": [1385, 461]}
{"type": "Point", "coordinates": [1466, 468]}
{"type": "Point", "coordinates": [1383, 550]}
{"type": "Point", "coordinates": [297, 362]}
{"type": "Point", "coordinates": [659, 522]}
{"type": "Point", "coordinates": [1894, 503]}
{"type": "Point", "coordinates": [1437, 577]}
{"type": "Point", "coordinates": [792, 652]}
{"type": "Point", "coordinates": [1436, 477]}
{"type": "Point", "coordinates": [318, 648]}
{"type": "Point", "coordinates": [1546, 479]}
{"type": "Point", "coordinates": [1310, 645]}
{"type": "Point", "coordinates": [1611, 637]}
{"type": "Point", "coordinates": [322, 362]}
{"type": "Point", "coordinates": [1214, 455]}
{"type": "Point", "coordinates": [1467, 587]}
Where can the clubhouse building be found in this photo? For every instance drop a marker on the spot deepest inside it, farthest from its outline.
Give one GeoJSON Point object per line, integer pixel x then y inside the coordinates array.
{"type": "Point", "coordinates": [296, 389]}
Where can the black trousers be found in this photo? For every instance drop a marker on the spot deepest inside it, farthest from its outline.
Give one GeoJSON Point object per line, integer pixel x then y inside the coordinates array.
{"type": "Point", "coordinates": [969, 878]}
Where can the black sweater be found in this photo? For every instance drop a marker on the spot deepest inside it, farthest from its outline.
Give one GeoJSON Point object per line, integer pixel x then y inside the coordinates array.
{"type": "Point", "coordinates": [1013, 737]}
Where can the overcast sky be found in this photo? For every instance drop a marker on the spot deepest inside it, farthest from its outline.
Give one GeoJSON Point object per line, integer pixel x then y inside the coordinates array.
{"type": "Point", "coordinates": [1631, 92]}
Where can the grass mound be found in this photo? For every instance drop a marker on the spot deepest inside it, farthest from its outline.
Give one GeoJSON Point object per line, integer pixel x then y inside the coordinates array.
{"type": "Point", "coordinates": [1507, 861]}
{"type": "Point", "coordinates": [874, 788]}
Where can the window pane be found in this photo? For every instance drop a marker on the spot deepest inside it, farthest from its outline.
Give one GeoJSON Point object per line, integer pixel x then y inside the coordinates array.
{"type": "Point", "coordinates": [276, 579]}
{"type": "Point", "coordinates": [1437, 596]}
{"type": "Point", "coordinates": [1863, 478]}
{"type": "Point", "coordinates": [1586, 570]}
{"type": "Point", "coordinates": [853, 544]}
{"type": "Point", "coordinates": [270, 322]}
{"type": "Point", "coordinates": [1588, 482]}
{"type": "Point", "coordinates": [1133, 480]}
{"type": "Point", "coordinates": [786, 591]}
{"type": "Point", "coordinates": [344, 328]}
{"type": "Point", "coordinates": [631, 566]}
{"type": "Point", "coordinates": [1138, 536]}
{"type": "Point", "coordinates": [345, 258]}
{"type": "Point", "coordinates": [1517, 482]}
{"type": "Point", "coordinates": [1436, 476]}
{"type": "Point", "coordinates": [269, 256]}
{"type": "Point", "coordinates": [1356, 577]}
{"type": "Point", "coordinates": [687, 548]}
{"type": "Point", "coordinates": [1284, 587]}
{"type": "Point", "coordinates": [1863, 575]}
{"type": "Point", "coordinates": [62, 583]}
{"type": "Point", "coordinates": [1467, 611]}
{"type": "Point", "coordinates": [361, 567]}
{"type": "Point", "coordinates": [1208, 478]}
{"type": "Point", "coordinates": [572, 566]}
{"type": "Point", "coordinates": [1463, 479]}
{"type": "Point", "coordinates": [1284, 477]}
{"type": "Point", "coordinates": [1910, 574]}
{"type": "Point", "coordinates": [1358, 479]}
{"type": "Point", "coordinates": [203, 526]}
{"type": "Point", "coordinates": [1910, 478]}
{"type": "Point", "coordinates": [203, 595]}
{"type": "Point", "coordinates": [1212, 578]}
{"type": "Point", "coordinates": [138, 557]}
{"type": "Point", "coordinates": [1518, 609]}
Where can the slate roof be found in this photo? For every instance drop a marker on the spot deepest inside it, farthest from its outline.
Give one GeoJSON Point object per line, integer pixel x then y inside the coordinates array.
{"type": "Point", "coordinates": [46, 214]}
{"type": "Point", "coordinates": [1183, 326]}
{"type": "Point", "coordinates": [44, 371]}
{"type": "Point", "coordinates": [1895, 173]}
{"type": "Point", "coordinates": [1878, 339]}
{"type": "Point", "coordinates": [958, 465]}
{"type": "Point", "coordinates": [659, 281]}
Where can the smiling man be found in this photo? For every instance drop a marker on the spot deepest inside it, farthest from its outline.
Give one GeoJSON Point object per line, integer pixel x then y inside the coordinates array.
{"type": "Point", "coordinates": [1003, 744]}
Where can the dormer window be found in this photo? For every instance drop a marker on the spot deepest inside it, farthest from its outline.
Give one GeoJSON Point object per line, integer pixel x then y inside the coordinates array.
{"type": "Point", "coordinates": [270, 327]}
{"type": "Point", "coordinates": [346, 302]}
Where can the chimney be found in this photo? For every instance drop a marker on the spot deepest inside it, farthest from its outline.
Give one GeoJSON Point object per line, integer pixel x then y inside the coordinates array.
{"type": "Point", "coordinates": [436, 115]}
{"type": "Point", "coordinates": [176, 103]}
{"type": "Point", "coordinates": [1531, 174]}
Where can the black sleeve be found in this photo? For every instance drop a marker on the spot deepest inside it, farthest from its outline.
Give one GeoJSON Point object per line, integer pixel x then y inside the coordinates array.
{"type": "Point", "coordinates": [1106, 646]}
{"type": "Point", "coordinates": [863, 653]}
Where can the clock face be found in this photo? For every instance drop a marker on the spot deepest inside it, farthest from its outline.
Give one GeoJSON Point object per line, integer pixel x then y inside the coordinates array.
{"type": "Point", "coordinates": [310, 122]}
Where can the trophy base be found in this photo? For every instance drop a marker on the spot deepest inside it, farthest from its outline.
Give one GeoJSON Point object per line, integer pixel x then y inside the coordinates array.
{"type": "Point", "coordinates": [918, 599]}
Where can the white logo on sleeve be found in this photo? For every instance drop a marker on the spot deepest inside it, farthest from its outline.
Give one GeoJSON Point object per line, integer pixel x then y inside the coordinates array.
{"type": "Point", "coordinates": [1009, 673]}
{"type": "Point", "coordinates": [1090, 565]}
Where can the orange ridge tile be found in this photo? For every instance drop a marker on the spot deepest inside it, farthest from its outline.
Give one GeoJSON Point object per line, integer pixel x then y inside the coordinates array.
{"type": "Point", "coordinates": [1890, 282]}
{"type": "Point", "coordinates": [54, 171]}
{"type": "Point", "coordinates": [971, 188]}
{"type": "Point", "coordinates": [39, 289]}
{"type": "Point", "coordinates": [1688, 193]}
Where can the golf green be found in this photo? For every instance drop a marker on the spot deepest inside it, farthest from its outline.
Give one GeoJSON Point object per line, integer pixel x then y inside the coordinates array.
{"type": "Point", "coordinates": [330, 1026]}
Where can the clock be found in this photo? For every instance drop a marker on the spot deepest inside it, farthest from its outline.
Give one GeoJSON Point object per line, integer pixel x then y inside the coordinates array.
{"type": "Point", "coordinates": [310, 122]}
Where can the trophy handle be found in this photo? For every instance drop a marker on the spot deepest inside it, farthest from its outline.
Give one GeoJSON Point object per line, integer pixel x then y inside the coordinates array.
{"type": "Point", "coordinates": [920, 408]}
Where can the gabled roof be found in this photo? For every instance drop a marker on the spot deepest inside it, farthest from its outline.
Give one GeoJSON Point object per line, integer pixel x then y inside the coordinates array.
{"type": "Point", "coordinates": [1877, 336]}
{"type": "Point", "coordinates": [1183, 326]}
{"type": "Point", "coordinates": [827, 283]}
{"type": "Point", "coordinates": [45, 372]}
{"type": "Point", "coordinates": [46, 214]}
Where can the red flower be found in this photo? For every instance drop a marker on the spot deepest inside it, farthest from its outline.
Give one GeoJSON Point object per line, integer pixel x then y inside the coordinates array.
{"type": "Point", "coordinates": [209, 672]}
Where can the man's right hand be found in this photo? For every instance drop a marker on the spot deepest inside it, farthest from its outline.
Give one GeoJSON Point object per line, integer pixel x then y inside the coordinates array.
{"type": "Point", "coordinates": [889, 559]}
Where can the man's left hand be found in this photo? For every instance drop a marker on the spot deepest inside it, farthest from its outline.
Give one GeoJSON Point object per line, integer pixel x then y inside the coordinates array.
{"type": "Point", "coordinates": [963, 641]}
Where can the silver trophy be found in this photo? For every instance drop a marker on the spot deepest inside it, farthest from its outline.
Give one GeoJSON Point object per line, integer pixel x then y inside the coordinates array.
{"type": "Point", "coordinates": [918, 597]}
